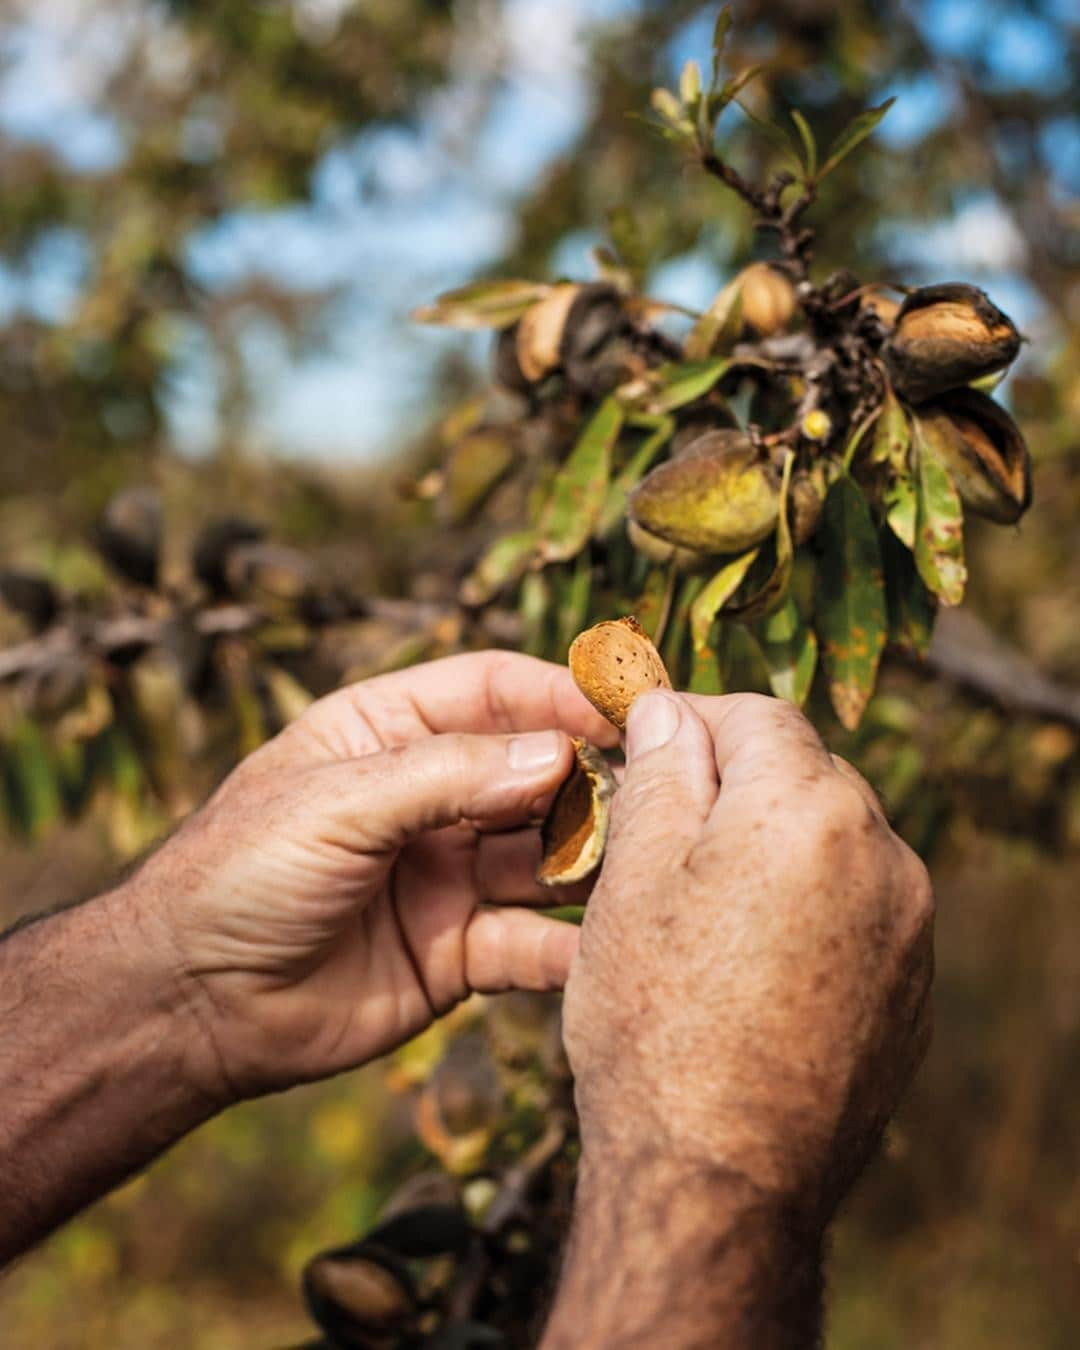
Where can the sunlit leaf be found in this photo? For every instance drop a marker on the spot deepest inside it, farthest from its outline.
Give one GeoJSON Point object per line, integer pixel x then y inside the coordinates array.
{"type": "Point", "coordinates": [852, 135]}
{"type": "Point", "coordinates": [579, 488]}
{"type": "Point", "coordinates": [718, 590]}
{"type": "Point", "coordinates": [484, 304]}
{"type": "Point", "coordinates": [790, 650]}
{"type": "Point", "coordinates": [850, 618]}
{"type": "Point", "coordinates": [939, 518]}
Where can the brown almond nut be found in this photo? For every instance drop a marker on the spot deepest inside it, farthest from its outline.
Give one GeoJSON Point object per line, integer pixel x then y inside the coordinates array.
{"type": "Point", "coordinates": [576, 827]}
{"type": "Point", "coordinates": [612, 663]}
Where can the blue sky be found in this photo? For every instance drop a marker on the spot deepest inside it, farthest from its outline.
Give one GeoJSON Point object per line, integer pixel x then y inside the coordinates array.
{"type": "Point", "coordinates": [444, 202]}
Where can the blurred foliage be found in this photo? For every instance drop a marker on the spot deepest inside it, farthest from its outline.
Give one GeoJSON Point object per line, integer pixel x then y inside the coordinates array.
{"type": "Point", "coordinates": [134, 682]}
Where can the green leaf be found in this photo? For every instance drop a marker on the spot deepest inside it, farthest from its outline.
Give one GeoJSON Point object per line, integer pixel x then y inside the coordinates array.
{"type": "Point", "coordinates": [790, 650]}
{"type": "Point", "coordinates": [504, 562]}
{"type": "Point", "coordinates": [901, 509]}
{"type": "Point", "coordinates": [718, 327]}
{"type": "Point", "coordinates": [716, 593]}
{"type": "Point", "coordinates": [628, 477]}
{"type": "Point", "coordinates": [809, 144]}
{"type": "Point", "coordinates": [33, 790]}
{"type": "Point", "coordinates": [912, 607]}
{"type": "Point", "coordinates": [579, 488]}
{"type": "Point", "coordinates": [484, 304]}
{"type": "Point", "coordinates": [892, 435]}
{"type": "Point", "coordinates": [780, 136]}
{"type": "Point", "coordinates": [852, 135]}
{"type": "Point", "coordinates": [851, 617]}
{"type": "Point", "coordinates": [719, 37]}
{"type": "Point", "coordinates": [939, 518]}
{"type": "Point", "coordinates": [681, 382]}
{"type": "Point", "coordinates": [772, 591]}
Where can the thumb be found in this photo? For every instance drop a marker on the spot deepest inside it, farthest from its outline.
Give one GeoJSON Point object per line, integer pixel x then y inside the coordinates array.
{"type": "Point", "coordinates": [378, 802]}
{"type": "Point", "coordinates": [670, 783]}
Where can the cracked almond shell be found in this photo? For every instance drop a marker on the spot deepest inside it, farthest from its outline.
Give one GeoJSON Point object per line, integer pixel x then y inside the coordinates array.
{"type": "Point", "coordinates": [576, 828]}
{"type": "Point", "coordinates": [985, 453]}
{"type": "Point", "coordinates": [945, 337]}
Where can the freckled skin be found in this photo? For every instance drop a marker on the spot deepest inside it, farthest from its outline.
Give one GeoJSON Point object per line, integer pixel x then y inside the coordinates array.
{"type": "Point", "coordinates": [755, 902]}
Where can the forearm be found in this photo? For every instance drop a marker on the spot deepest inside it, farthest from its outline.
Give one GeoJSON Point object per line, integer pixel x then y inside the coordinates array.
{"type": "Point", "coordinates": [661, 1254]}
{"type": "Point", "coordinates": [98, 1067]}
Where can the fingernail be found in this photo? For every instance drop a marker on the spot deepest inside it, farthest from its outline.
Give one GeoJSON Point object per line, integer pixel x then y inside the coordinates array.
{"type": "Point", "coordinates": [535, 751]}
{"type": "Point", "coordinates": [653, 720]}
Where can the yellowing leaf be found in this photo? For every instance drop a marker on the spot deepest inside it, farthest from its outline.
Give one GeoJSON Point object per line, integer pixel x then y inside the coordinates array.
{"type": "Point", "coordinates": [772, 591]}
{"type": "Point", "coordinates": [939, 518]}
{"type": "Point", "coordinates": [850, 615]}
{"type": "Point", "coordinates": [716, 592]}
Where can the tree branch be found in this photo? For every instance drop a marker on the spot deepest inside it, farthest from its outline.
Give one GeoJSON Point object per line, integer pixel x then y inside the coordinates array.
{"type": "Point", "coordinates": [967, 652]}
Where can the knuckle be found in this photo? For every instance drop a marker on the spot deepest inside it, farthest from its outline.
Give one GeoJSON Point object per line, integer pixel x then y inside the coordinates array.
{"type": "Point", "coordinates": [920, 901]}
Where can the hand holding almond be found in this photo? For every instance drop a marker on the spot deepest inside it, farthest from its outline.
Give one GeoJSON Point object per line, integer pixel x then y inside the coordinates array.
{"type": "Point", "coordinates": [748, 1003]}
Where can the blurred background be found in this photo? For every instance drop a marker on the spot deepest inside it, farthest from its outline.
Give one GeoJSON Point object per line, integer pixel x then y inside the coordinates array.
{"type": "Point", "coordinates": [215, 219]}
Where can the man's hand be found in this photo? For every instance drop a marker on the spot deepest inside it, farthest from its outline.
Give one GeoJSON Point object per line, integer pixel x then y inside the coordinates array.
{"type": "Point", "coordinates": [325, 905]}
{"type": "Point", "coordinates": [749, 1001]}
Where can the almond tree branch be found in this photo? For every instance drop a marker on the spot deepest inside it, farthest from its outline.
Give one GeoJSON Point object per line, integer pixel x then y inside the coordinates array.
{"type": "Point", "coordinates": [967, 652]}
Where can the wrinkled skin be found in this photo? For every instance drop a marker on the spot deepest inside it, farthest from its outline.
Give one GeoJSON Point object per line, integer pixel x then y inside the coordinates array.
{"type": "Point", "coordinates": [329, 901]}
{"type": "Point", "coordinates": [748, 1003]}
{"type": "Point", "coordinates": [752, 985]}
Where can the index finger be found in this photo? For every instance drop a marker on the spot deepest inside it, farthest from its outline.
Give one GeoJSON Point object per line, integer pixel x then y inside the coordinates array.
{"type": "Point", "coordinates": [481, 692]}
{"type": "Point", "coordinates": [755, 737]}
